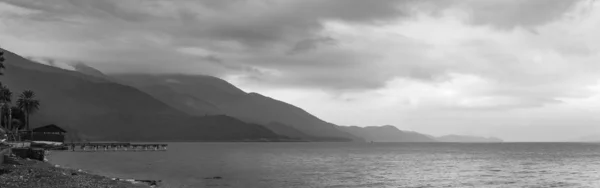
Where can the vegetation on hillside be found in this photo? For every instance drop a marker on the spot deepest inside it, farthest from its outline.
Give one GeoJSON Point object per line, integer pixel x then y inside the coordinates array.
{"type": "Point", "coordinates": [15, 118]}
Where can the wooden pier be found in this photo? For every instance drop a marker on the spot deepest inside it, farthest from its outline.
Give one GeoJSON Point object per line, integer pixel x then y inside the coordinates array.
{"type": "Point", "coordinates": [108, 147]}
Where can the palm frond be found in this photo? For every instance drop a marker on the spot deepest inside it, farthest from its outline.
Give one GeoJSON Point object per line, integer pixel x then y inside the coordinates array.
{"type": "Point", "coordinates": [27, 102]}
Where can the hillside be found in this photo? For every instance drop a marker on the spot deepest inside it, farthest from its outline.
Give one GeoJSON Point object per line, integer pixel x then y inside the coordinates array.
{"type": "Point", "coordinates": [282, 129]}
{"type": "Point", "coordinates": [387, 133]}
{"type": "Point", "coordinates": [98, 109]}
{"type": "Point", "coordinates": [230, 100]}
{"type": "Point", "coordinates": [184, 102]}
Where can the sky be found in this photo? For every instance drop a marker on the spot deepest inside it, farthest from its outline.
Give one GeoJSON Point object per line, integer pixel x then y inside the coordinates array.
{"type": "Point", "coordinates": [521, 70]}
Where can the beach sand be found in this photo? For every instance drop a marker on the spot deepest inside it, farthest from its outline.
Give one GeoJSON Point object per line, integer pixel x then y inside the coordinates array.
{"type": "Point", "coordinates": [20, 173]}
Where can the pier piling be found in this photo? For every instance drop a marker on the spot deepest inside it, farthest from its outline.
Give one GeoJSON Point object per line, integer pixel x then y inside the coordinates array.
{"type": "Point", "coordinates": [114, 147]}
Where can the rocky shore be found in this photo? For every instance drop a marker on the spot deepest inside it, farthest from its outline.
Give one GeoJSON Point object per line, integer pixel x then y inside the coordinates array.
{"type": "Point", "coordinates": [23, 173]}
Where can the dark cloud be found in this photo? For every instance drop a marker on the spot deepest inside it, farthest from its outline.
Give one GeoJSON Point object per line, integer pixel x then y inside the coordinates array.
{"type": "Point", "coordinates": [111, 9]}
{"type": "Point", "coordinates": [261, 23]}
{"type": "Point", "coordinates": [255, 24]}
{"type": "Point", "coordinates": [309, 44]}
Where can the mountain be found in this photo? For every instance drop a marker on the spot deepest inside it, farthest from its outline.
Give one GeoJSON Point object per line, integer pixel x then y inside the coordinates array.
{"type": "Point", "coordinates": [230, 100]}
{"type": "Point", "coordinates": [387, 133]}
{"type": "Point", "coordinates": [95, 108]}
{"type": "Point", "coordinates": [461, 138]}
{"type": "Point", "coordinates": [291, 132]}
{"type": "Point", "coordinates": [184, 102]}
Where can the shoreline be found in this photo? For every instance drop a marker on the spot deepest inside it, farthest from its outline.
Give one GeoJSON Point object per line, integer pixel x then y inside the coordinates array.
{"type": "Point", "coordinates": [137, 182]}
{"type": "Point", "coordinates": [17, 173]}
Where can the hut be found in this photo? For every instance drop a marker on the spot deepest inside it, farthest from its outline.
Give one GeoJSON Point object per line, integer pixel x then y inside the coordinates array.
{"type": "Point", "coordinates": [48, 133]}
{"type": "Point", "coordinates": [3, 135]}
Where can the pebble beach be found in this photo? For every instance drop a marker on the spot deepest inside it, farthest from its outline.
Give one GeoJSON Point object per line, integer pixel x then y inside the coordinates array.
{"type": "Point", "coordinates": [23, 173]}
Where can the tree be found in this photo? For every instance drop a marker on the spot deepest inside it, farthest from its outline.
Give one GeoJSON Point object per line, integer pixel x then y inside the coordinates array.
{"type": "Point", "coordinates": [5, 100]}
{"type": "Point", "coordinates": [2, 67]}
{"type": "Point", "coordinates": [28, 104]}
{"type": "Point", "coordinates": [4, 110]}
{"type": "Point", "coordinates": [17, 115]}
{"type": "Point", "coordinates": [1, 62]}
{"type": "Point", "coordinates": [2, 99]}
{"type": "Point", "coordinates": [13, 120]}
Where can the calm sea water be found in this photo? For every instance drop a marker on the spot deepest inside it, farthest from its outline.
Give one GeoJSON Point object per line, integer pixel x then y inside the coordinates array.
{"type": "Point", "coordinates": [280, 165]}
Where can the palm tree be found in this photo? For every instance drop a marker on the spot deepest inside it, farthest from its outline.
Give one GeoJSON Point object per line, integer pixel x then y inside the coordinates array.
{"type": "Point", "coordinates": [28, 104]}
{"type": "Point", "coordinates": [5, 99]}
{"type": "Point", "coordinates": [4, 113]}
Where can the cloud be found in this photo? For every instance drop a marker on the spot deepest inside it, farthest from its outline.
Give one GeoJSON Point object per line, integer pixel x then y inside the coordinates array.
{"type": "Point", "coordinates": [9, 10]}
{"type": "Point", "coordinates": [332, 45]}
{"type": "Point", "coordinates": [227, 26]}
{"type": "Point", "coordinates": [405, 56]}
{"type": "Point", "coordinates": [310, 44]}
{"type": "Point", "coordinates": [508, 14]}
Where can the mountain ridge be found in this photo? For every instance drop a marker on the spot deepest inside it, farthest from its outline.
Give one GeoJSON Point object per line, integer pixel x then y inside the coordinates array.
{"type": "Point", "coordinates": [97, 109]}
{"type": "Point", "coordinates": [387, 133]}
{"type": "Point", "coordinates": [467, 139]}
{"type": "Point", "coordinates": [192, 103]}
{"type": "Point", "coordinates": [249, 107]}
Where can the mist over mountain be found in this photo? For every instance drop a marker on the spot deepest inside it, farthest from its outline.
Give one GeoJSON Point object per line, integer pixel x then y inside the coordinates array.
{"type": "Point", "coordinates": [97, 109]}
{"type": "Point", "coordinates": [462, 138]}
{"type": "Point", "coordinates": [387, 133]}
{"type": "Point", "coordinates": [83, 68]}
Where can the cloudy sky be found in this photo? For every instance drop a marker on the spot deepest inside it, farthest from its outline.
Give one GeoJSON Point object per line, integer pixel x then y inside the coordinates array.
{"type": "Point", "coordinates": [522, 70]}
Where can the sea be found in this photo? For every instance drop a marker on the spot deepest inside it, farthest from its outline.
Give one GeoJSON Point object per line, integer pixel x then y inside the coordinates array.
{"type": "Point", "coordinates": [347, 165]}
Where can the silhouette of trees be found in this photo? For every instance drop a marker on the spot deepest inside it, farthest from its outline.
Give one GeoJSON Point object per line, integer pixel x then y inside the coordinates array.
{"type": "Point", "coordinates": [15, 118]}
{"type": "Point", "coordinates": [2, 132]}
{"type": "Point", "coordinates": [18, 118]}
{"type": "Point", "coordinates": [5, 100]}
{"type": "Point", "coordinates": [2, 62]}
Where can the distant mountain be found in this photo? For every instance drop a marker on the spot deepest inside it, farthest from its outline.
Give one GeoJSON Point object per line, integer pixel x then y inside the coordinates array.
{"type": "Point", "coordinates": [230, 100]}
{"type": "Point", "coordinates": [387, 133]}
{"type": "Point", "coordinates": [97, 109]}
{"type": "Point", "coordinates": [461, 138]}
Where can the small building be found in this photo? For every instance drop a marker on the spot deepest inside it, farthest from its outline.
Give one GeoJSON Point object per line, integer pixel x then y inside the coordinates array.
{"type": "Point", "coordinates": [48, 133]}
{"type": "Point", "coordinates": [3, 135]}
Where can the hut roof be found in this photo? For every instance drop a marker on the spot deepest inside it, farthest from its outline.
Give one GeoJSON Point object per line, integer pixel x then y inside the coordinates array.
{"type": "Point", "coordinates": [49, 128]}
